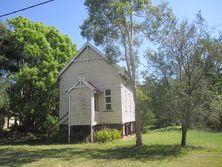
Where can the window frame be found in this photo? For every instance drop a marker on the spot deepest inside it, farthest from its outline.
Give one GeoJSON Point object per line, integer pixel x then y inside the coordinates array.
{"type": "Point", "coordinates": [96, 102]}
{"type": "Point", "coordinates": [109, 103]}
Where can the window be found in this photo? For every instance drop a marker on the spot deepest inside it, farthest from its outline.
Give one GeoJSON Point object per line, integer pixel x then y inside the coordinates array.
{"type": "Point", "coordinates": [108, 99]}
{"type": "Point", "coordinates": [96, 102]}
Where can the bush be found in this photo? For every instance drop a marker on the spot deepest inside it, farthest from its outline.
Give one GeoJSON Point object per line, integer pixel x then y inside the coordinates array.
{"type": "Point", "coordinates": [107, 135]}
{"type": "Point", "coordinates": [51, 124]}
{"type": "Point", "coordinates": [115, 134]}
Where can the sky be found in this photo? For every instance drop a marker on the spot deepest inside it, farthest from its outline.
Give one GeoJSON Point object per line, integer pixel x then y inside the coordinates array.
{"type": "Point", "coordinates": [68, 15]}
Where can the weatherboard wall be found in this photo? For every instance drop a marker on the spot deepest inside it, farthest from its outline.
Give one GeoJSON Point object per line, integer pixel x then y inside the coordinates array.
{"type": "Point", "coordinates": [95, 69]}
{"type": "Point", "coordinates": [80, 101]}
{"type": "Point", "coordinates": [127, 103]}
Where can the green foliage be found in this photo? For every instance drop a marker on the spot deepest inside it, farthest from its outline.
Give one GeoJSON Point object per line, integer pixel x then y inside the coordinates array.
{"type": "Point", "coordinates": [121, 28]}
{"type": "Point", "coordinates": [103, 136]}
{"type": "Point", "coordinates": [34, 56]}
{"type": "Point", "coordinates": [156, 102]}
{"type": "Point", "coordinates": [51, 123]}
{"type": "Point", "coordinates": [4, 97]}
{"type": "Point", "coordinates": [123, 22]}
{"type": "Point", "coordinates": [148, 117]}
{"type": "Point", "coordinates": [115, 134]}
{"type": "Point", "coordinates": [150, 121]}
{"type": "Point", "coordinates": [214, 116]}
{"type": "Point", "coordinates": [183, 68]}
{"type": "Point", "coordinates": [166, 95]}
{"type": "Point", "coordinates": [107, 135]}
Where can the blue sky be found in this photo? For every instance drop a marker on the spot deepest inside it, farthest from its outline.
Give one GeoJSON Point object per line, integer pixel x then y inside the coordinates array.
{"type": "Point", "coordinates": [68, 15]}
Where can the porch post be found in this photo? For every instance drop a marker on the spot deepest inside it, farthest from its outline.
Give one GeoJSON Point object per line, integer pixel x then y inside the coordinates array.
{"type": "Point", "coordinates": [69, 118]}
{"type": "Point", "coordinates": [123, 129]}
{"type": "Point", "coordinates": [92, 112]}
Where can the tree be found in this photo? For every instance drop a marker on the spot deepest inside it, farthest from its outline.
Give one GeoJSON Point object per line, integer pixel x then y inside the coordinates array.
{"type": "Point", "coordinates": [3, 36]}
{"type": "Point", "coordinates": [4, 99]}
{"type": "Point", "coordinates": [162, 93]}
{"type": "Point", "coordinates": [119, 26]}
{"type": "Point", "coordinates": [213, 119]}
{"type": "Point", "coordinates": [162, 101]}
{"type": "Point", "coordinates": [144, 99]}
{"type": "Point", "coordinates": [185, 52]}
{"type": "Point", "coordinates": [35, 55]}
{"type": "Point", "coordinates": [4, 83]}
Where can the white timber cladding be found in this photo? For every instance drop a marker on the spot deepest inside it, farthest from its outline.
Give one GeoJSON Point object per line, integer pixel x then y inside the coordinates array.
{"type": "Point", "coordinates": [128, 105]}
{"type": "Point", "coordinates": [90, 66]}
{"type": "Point", "coordinates": [80, 101]}
{"type": "Point", "coordinates": [95, 115]}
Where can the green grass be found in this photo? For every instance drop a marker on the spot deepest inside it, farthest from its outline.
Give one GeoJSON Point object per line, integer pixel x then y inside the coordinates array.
{"type": "Point", "coordinates": [161, 149]}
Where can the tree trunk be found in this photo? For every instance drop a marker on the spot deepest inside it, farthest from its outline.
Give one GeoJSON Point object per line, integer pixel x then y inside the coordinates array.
{"type": "Point", "coordinates": [6, 123]}
{"type": "Point", "coordinates": [139, 141]}
{"type": "Point", "coordinates": [184, 135]}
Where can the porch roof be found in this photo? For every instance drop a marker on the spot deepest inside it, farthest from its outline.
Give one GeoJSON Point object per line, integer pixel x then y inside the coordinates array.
{"type": "Point", "coordinates": [88, 84]}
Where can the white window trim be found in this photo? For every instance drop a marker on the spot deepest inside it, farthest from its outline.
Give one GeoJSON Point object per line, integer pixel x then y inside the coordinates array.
{"type": "Point", "coordinates": [105, 99]}
{"type": "Point", "coordinates": [95, 102]}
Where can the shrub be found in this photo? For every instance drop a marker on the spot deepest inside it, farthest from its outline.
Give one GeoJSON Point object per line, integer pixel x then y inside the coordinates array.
{"type": "Point", "coordinates": [107, 135]}
{"type": "Point", "coordinates": [115, 134]}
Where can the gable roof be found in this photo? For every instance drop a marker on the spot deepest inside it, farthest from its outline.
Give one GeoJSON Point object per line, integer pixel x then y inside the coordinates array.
{"type": "Point", "coordinates": [87, 44]}
{"type": "Point", "coordinates": [87, 84]}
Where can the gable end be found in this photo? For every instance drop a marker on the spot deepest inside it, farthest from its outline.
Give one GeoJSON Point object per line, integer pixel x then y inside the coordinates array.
{"type": "Point", "coordinates": [102, 56]}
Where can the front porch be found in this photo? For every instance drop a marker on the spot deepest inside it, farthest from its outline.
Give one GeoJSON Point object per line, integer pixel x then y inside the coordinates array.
{"type": "Point", "coordinates": [83, 102]}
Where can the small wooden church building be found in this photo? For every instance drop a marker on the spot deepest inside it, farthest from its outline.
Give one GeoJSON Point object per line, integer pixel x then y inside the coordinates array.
{"type": "Point", "coordinates": [94, 94]}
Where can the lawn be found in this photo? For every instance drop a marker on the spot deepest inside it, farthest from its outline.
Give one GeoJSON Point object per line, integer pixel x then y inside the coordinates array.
{"type": "Point", "coordinates": [161, 149]}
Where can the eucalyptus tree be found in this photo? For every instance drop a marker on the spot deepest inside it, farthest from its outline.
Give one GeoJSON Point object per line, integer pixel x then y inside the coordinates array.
{"type": "Point", "coordinates": [120, 26]}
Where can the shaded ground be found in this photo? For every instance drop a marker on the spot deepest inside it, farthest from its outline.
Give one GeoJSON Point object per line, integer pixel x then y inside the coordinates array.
{"type": "Point", "coordinates": [161, 149]}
